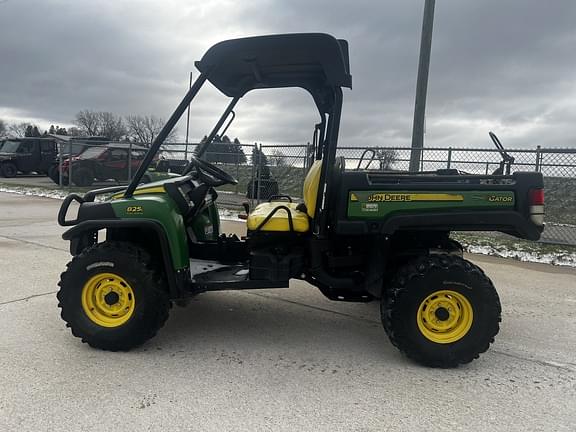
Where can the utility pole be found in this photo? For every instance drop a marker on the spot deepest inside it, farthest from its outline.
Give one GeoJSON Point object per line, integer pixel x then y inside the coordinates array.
{"type": "Point", "coordinates": [422, 86]}
{"type": "Point", "coordinates": [188, 121]}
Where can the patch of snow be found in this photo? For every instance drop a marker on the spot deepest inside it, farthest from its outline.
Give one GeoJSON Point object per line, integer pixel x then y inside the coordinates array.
{"type": "Point", "coordinates": [560, 259]}
{"type": "Point", "coordinates": [557, 224]}
{"type": "Point", "coordinates": [227, 214]}
{"type": "Point", "coordinates": [32, 191]}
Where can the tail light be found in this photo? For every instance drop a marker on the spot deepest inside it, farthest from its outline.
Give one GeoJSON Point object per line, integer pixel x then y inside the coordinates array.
{"type": "Point", "coordinates": [537, 206]}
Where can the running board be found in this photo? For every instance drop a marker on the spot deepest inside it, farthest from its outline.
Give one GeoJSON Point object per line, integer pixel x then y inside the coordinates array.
{"type": "Point", "coordinates": [213, 276]}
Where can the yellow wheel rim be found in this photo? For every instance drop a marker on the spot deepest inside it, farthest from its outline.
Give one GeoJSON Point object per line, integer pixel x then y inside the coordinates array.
{"type": "Point", "coordinates": [108, 300]}
{"type": "Point", "coordinates": [445, 316]}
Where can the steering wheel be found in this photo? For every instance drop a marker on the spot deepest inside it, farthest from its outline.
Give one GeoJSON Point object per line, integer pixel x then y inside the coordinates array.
{"type": "Point", "coordinates": [210, 174]}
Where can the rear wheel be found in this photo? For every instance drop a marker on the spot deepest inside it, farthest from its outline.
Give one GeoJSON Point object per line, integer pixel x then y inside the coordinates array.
{"type": "Point", "coordinates": [441, 311]}
{"type": "Point", "coordinates": [83, 177]}
{"type": "Point", "coordinates": [112, 298]}
{"type": "Point", "coordinates": [8, 169]}
{"type": "Point", "coordinates": [54, 174]}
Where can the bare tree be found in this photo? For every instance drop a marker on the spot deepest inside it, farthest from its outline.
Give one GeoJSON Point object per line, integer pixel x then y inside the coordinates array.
{"type": "Point", "coordinates": [2, 127]}
{"type": "Point", "coordinates": [100, 123]}
{"type": "Point", "coordinates": [112, 126]}
{"type": "Point", "coordinates": [278, 158]}
{"type": "Point", "coordinates": [19, 129]}
{"type": "Point", "coordinates": [87, 122]}
{"type": "Point", "coordinates": [386, 158]}
{"type": "Point", "coordinates": [77, 132]}
{"type": "Point", "coordinates": [144, 129]}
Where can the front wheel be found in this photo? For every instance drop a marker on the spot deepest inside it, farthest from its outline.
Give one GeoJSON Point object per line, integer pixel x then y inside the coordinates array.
{"type": "Point", "coordinates": [83, 177]}
{"type": "Point", "coordinates": [8, 169]}
{"type": "Point", "coordinates": [441, 311]}
{"type": "Point", "coordinates": [54, 174]}
{"type": "Point", "coordinates": [112, 298]}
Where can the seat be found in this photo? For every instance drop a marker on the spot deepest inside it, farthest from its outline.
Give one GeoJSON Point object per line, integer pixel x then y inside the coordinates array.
{"type": "Point", "coordinates": [275, 216]}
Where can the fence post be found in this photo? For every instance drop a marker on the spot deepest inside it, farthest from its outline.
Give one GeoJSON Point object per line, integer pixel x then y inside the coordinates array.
{"type": "Point", "coordinates": [237, 167]}
{"type": "Point", "coordinates": [69, 164]}
{"type": "Point", "coordinates": [449, 157]}
{"type": "Point", "coordinates": [421, 159]}
{"type": "Point", "coordinates": [253, 176]}
{"type": "Point", "coordinates": [130, 162]}
{"type": "Point", "coordinates": [60, 147]}
{"type": "Point", "coordinates": [538, 158]}
{"type": "Point", "coordinates": [258, 174]}
{"type": "Point", "coordinates": [308, 157]}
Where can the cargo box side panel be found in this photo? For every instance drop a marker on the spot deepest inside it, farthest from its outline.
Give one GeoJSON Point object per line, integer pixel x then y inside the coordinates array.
{"type": "Point", "coordinates": [379, 205]}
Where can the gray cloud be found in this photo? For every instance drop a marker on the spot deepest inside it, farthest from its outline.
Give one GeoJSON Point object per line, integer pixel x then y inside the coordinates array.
{"type": "Point", "coordinates": [507, 66]}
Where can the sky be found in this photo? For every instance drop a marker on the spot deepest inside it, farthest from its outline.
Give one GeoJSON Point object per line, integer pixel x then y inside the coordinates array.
{"type": "Point", "coordinates": [503, 65]}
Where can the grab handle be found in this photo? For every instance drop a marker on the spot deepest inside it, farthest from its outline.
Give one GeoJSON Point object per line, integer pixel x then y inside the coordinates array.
{"type": "Point", "coordinates": [64, 209]}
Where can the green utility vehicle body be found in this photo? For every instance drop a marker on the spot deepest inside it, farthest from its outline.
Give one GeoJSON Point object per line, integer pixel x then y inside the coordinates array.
{"type": "Point", "coordinates": [153, 204]}
{"type": "Point", "coordinates": [357, 235]}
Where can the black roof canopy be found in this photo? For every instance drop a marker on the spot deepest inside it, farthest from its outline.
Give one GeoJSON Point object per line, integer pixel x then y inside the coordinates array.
{"type": "Point", "coordinates": [312, 61]}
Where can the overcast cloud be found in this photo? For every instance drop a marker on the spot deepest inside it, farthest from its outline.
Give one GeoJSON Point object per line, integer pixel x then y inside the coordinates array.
{"type": "Point", "coordinates": [507, 66]}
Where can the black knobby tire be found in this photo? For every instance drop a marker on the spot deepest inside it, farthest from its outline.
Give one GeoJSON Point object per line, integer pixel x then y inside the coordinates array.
{"type": "Point", "coordinates": [133, 264]}
{"type": "Point", "coordinates": [414, 283]}
{"type": "Point", "coordinates": [8, 169]}
{"type": "Point", "coordinates": [83, 177]}
{"type": "Point", "coordinates": [54, 174]}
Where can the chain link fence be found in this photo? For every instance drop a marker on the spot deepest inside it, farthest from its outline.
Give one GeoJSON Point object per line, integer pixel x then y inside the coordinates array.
{"type": "Point", "coordinates": [267, 170]}
{"type": "Point", "coordinates": [557, 165]}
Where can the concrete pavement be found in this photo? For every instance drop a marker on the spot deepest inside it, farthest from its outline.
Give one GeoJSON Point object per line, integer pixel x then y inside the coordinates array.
{"type": "Point", "coordinates": [272, 359]}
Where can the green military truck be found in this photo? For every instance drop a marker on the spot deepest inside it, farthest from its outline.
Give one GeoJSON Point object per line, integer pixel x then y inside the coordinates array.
{"type": "Point", "coordinates": [358, 235]}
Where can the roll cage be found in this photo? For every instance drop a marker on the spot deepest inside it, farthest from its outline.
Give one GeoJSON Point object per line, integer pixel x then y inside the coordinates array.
{"type": "Point", "coordinates": [316, 62]}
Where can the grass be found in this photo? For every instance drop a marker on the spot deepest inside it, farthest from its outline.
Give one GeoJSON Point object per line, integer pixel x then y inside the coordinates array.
{"type": "Point", "coordinates": [45, 191]}
{"type": "Point", "coordinates": [560, 200]}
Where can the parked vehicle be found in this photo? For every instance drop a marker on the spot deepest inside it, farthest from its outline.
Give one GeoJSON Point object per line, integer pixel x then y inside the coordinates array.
{"type": "Point", "coordinates": [359, 235]}
{"type": "Point", "coordinates": [103, 162]}
{"type": "Point", "coordinates": [26, 155]}
{"type": "Point", "coordinates": [73, 147]}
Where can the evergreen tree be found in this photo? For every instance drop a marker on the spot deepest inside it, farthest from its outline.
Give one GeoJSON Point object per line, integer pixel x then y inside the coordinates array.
{"type": "Point", "coordinates": [236, 149]}
{"type": "Point", "coordinates": [222, 150]}
{"type": "Point", "coordinates": [260, 161]}
{"type": "Point", "coordinates": [52, 130]}
{"type": "Point", "coordinates": [29, 132]}
{"type": "Point", "coordinates": [35, 132]}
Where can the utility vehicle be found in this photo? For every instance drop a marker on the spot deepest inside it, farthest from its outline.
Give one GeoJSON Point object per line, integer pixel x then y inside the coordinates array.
{"type": "Point", "coordinates": [72, 147]}
{"type": "Point", "coordinates": [27, 155]}
{"type": "Point", "coordinates": [357, 236]}
{"type": "Point", "coordinates": [102, 162]}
